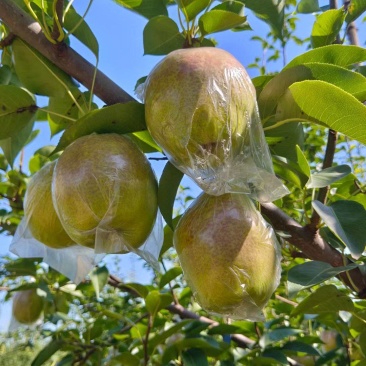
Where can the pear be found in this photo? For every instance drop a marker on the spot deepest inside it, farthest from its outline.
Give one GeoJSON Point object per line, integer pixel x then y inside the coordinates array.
{"type": "Point", "coordinates": [229, 255]}
{"type": "Point", "coordinates": [43, 222]}
{"type": "Point", "coordinates": [198, 106]}
{"type": "Point", "coordinates": [27, 306]}
{"type": "Point", "coordinates": [105, 193]}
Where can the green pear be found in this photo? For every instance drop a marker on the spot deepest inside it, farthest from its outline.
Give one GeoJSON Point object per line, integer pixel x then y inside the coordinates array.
{"type": "Point", "coordinates": [198, 105]}
{"type": "Point", "coordinates": [105, 191]}
{"type": "Point", "coordinates": [229, 255]}
{"type": "Point", "coordinates": [27, 306]}
{"type": "Point", "coordinates": [43, 221]}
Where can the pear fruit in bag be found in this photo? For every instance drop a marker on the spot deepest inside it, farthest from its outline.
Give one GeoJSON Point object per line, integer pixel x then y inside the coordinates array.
{"type": "Point", "coordinates": [229, 255]}
{"type": "Point", "coordinates": [27, 306]}
{"type": "Point", "coordinates": [198, 106]}
{"type": "Point", "coordinates": [42, 219]}
{"type": "Point", "coordinates": [105, 191]}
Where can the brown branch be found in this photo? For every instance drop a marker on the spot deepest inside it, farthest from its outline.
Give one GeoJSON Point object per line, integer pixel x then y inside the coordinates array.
{"type": "Point", "coordinates": [314, 246]}
{"type": "Point", "coordinates": [25, 27]}
{"type": "Point", "coordinates": [7, 41]}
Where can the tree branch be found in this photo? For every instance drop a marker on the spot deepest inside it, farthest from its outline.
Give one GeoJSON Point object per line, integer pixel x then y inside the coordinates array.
{"type": "Point", "coordinates": [25, 27]}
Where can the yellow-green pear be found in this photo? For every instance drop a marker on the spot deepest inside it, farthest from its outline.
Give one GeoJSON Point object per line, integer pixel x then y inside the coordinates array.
{"type": "Point", "coordinates": [105, 191]}
{"type": "Point", "coordinates": [198, 106]}
{"type": "Point", "coordinates": [43, 222]}
{"type": "Point", "coordinates": [229, 255]}
{"type": "Point", "coordinates": [27, 306]}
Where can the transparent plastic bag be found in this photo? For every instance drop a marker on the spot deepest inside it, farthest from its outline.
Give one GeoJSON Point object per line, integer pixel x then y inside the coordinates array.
{"type": "Point", "coordinates": [200, 107]}
{"type": "Point", "coordinates": [229, 255]}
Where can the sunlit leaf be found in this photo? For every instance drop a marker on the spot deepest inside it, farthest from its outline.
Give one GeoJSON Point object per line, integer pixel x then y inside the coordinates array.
{"type": "Point", "coordinates": [308, 6]}
{"type": "Point", "coordinates": [355, 9]}
{"type": "Point", "coordinates": [170, 275]}
{"type": "Point", "coordinates": [328, 176]}
{"type": "Point", "coordinates": [146, 8]}
{"type": "Point", "coordinates": [191, 8]}
{"type": "Point", "coordinates": [99, 278]}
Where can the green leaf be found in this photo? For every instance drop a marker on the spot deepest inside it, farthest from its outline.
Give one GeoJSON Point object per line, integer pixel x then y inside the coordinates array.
{"type": "Point", "coordinates": [83, 32]}
{"type": "Point", "coordinates": [355, 9]}
{"type": "Point", "coordinates": [326, 27]}
{"type": "Point", "coordinates": [311, 273]}
{"type": "Point", "coordinates": [155, 301]}
{"type": "Point", "coordinates": [117, 118]}
{"type": "Point", "coordinates": [168, 235]}
{"type": "Point", "coordinates": [302, 162]}
{"type": "Point", "coordinates": [5, 75]}
{"type": "Point", "coordinates": [22, 267]}
{"type": "Point", "coordinates": [161, 35]}
{"type": "Point", "coordinates": [308, 6]}
{"type": "Point", "coordinates": [38, 74]}
{"type": "Point", "coordinates": [146, 8]}
{"type": "Point", "coordinates": [336, 54]}
{"type": "Point", "coordinates": [141, 290]}
{"type": "Point", "coordinates": [278, 334]}
{"type": "Point", "coordinates": [99, 278]}
{"type": "Point", "coordinates": [224, 329]}
{"type": "Point", "coordinates": [289, 171]}
{"type": "Point", "coordinates": [332, 107]}
{"type": "Point", "coordinates": [124, 359]}
{"type": "Point", "coordinates": [191, 8]}
{"type": "Point", "coordinates": [298, 346]}
{"type": "Point", "coordinates": [270, 11]}
{"type": "Point", "coordinates": [351, 82]}
{"type": "Point", "coordinates": [47, 352]}
{"type": "Point", "coordinates": [145, 142]}
{"type": "Point", "coordinates": [217, 20]}
{"type": "Point", "coordinates": [170, 275]}
{"type": "Point", "coordinates": [194, 357]}
{"type": "Point", "coordinates": [346, 219]}
{"type": "Point", "coordinates": [328, 176]}
{"type": "Point", "coordinates": [325, 299]}
{"type": "Point", "coordinates": [168, 186]}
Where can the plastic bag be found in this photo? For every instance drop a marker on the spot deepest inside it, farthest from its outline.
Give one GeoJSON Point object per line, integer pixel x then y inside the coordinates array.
{"type": "Point", "coordinates": [229, 255]}
{"type": "Point", "coordinates": [105, 199]}
{"type": "Point", "coordinates": [200, 107]}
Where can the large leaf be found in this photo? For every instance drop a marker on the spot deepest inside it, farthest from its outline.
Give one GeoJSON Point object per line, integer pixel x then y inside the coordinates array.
{"type": "Point", "coordinates": [311, 273]}
{"type": "Point", "coordinates": [17, 110]}
{"type": "Point", "coordinates": [351, 82]}
{"type": "Point", "coordinates": [99, 278]}
{"type": "Point", "coordinates": [156, 301]}
{"type": "Point", "coordinates": [325, 299]}
{"type": "Point", "coordinates": [161, 35]}
{"type": "Point", "coordinates": [168, 186]}
{"type": "Point", "coordinates": [191, 8]}
{"type": "Point", "coordinates": [170, 275]}
{"type": "Point", "coordinates": [328, 176]}
{"type": "Point", "coordinates": [327, 27]}
{"type": "Point", "coordinates": [220, 18]}
{"type": "Point", "coordinates": [308, 6]}
{"type": "Point", "coordinates": [117, 118]}
{"type": "Point", "coordinates": [46, 353]}
{"type": "Point", "coordinates": [336, 54]}
{"type": "Point", "coordinates": [194, 357]}
{"type": "Point", "coordinates": [146, 8]}
{"type": "Point", "coordinates": [355, 9]}
{"type": "Point", "coordinates": [332, 106]}
{"type": "Point", "coordinates": [346, 219]}
{"type": "Point", "coordinates": [289, 171]}
{"type": "Point", "coordinates": [37, 73]}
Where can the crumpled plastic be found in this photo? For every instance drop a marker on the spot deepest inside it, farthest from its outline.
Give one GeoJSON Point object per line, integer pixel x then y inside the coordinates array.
{"type": "Point", "coordinates": [77, 260]}
{"type": "Point", "coordinates": [201, 109]}
{"type": "Point", "coordinates": [229, 254]}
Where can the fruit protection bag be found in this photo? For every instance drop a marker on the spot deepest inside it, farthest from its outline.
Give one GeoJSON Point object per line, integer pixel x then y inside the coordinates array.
{"type": "Point", "coordinates": [229, 255]}
{"type": "Point", "coordinates": [200, 107]}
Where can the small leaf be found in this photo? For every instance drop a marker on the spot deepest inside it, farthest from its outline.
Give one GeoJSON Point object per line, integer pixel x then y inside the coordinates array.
{"type": "Point", "coordinates": [332, 107]}
{"type": "Point", "coordinates": [355, 9]}
{"type": "Point", "coordinates": [302, 162]}
{"type": "Point", "coordinates": [326, 27]}
{"type": "Point", "coordinates": [141, 290]}
{"type": "Point", "coordinates": [145, 142]}
{"type": "Point", "coordinates": [328, 176]}
{"type": "Point", "coordinates": [117, 118]}
{"type": "Point", "coordinates": [346, 219]}
{"type": "Point", "coordinates": [46, 353]}
{"type": "Point", "coordinates": [191, 8]}
{"type": "Point", "coordinates": [170, 275]}
{"type": "Point", "coordinates": [217, 20]}
{"type": "Point", "coordinates": [156, 301]}
{"type": "Point", "coordinates": [161, 35]}
{"type": "Point", "coordinates": [325, 299]}
{"type": "Point", "coordinates": [311, 273]}
{"type": "Point", "coordinates": [194, 357]}
{"type": "Point", "coordinates": [146, 8]}
{"type": "Point", "coordinates": [289, 171]}
{"type": "Point", "coordinates": [125, 359]}
{"type": "Point", "coordinates": [168, 187]}
{"type": "Point", "coordinates": [308, 6]}
{"type": "Point", "coordinates": [336, 54]}
{"type": "Point", "coordinates": [99, 278]}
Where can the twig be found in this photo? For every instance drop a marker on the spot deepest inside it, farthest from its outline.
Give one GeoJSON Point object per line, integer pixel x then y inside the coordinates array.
{"type": "Point", "coordinates": [57, 24]}
{"type": "Point", "coordinates": [146, 340]}
{"type": "Point", "coordinates": [7, 41]}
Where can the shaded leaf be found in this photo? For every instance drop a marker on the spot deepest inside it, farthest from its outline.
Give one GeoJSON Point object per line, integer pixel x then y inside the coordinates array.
{"type": "Point", "coordinates": [194, 357]}
{"type": "Point", "coordinates": [326, 27]}
{"type": "Point", "coordinates": [99, 278]}
{"type": "Point", "coordinates": [170, 275]}
{"type": "Point", "coordinates": [117, 118]}
{"type": "Point", "coordinates": [325, 299]}
{"type": "Point", "coordinates": [346, 219]}
{"type": "Point", "coordinates": [141, 290]}
{"type": "Point", "coordinates": [125, 359]}
{"type": "Point", "coordinates": [168, 187]}
{"type": "Point", "coordinates": [355, 9]}
{"type": "Point", "coordinates": [156, 301]}
{"type": "Point", "coordinates": [161, 35]}
{"type": "Point", "coordinates": [146, 8]}
{"type": "Point", "coordinates": [328, 176]}
{"type": "Point", "coordinates": [298, 346]}
{"type": "Point", "coordinates": [46, 353]}
{"type": "Point", "coordinates": [289, 171]}
{"type": "Point", "coordinates": [302, 162]}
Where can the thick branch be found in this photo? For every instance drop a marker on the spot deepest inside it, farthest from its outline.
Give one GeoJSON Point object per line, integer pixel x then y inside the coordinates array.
{"type": "Point", "coordinates": [22, 25]}
{"type": "Point", "coordinates": [314, 246]}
